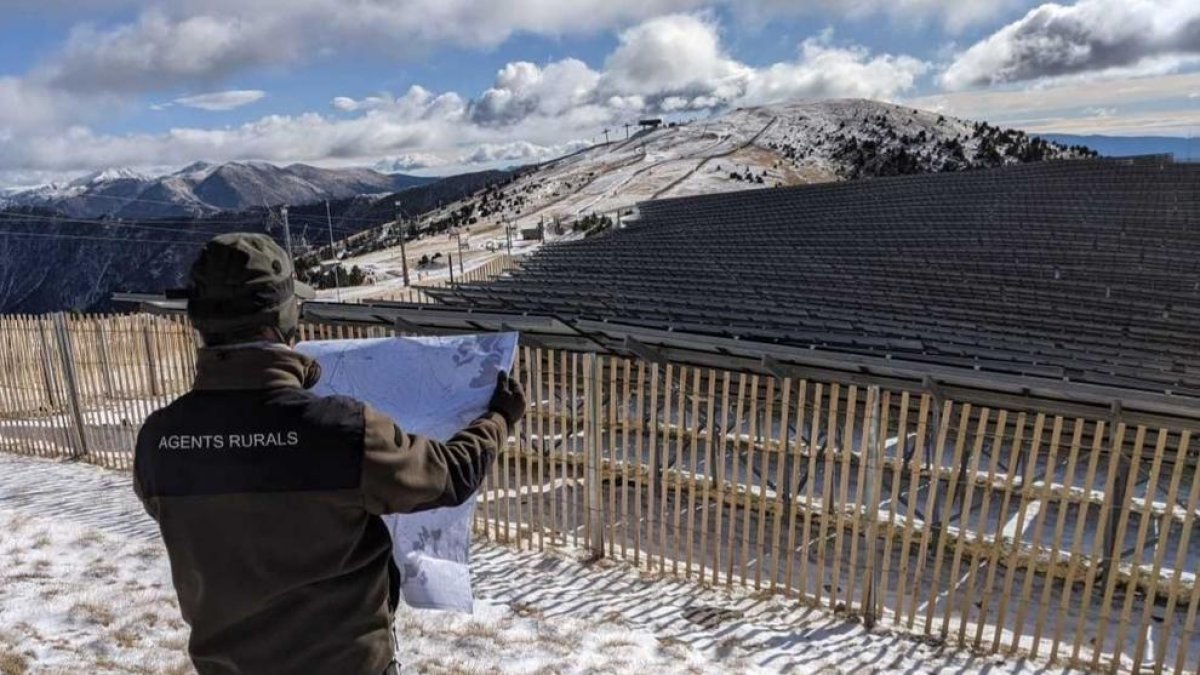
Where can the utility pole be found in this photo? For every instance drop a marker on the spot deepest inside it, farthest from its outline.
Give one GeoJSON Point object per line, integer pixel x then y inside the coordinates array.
{"type": "Point", "coordinates": [450, 258]}
{"type": "Point", "coordinates": [337, 270]}
{"type": "Point", "coordinates": [627, 125]}
{"type": "Point", "coordinates": [287, 236]}
{"type": "Point", "coordinates": [507, 235]}
{"type": "Point", "coordinates": [606, 136]}
{"type": "Point", "coordinates": [403, 254]}
{"type": "Point", "coordinates": [458, 238]}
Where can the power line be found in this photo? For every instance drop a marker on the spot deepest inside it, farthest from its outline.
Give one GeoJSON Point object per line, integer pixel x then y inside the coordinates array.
{"type": "Point", "coordinates": [7, 218]}
{"type": "Point", "coordinates": [126, 240]}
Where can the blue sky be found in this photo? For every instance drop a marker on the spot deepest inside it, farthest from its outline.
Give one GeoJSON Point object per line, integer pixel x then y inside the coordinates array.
{"type": "Point", "coordinates": [443, 85]}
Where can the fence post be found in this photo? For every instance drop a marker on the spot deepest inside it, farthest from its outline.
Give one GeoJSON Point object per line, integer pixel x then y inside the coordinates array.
{"type": "Point", "coordinates": [47, 366]}
{"type": "Point", "coordinates": [67, 355]}
{"type": "Point", "coordinates": [1111, 556]}
{"type": "Point", "coordinates": [151, 365]}
{"type": "Point", "coordinates": [870, 500]}
{"type": "Point", "coordinates": [106, 367]}
{"type": "Point", "coordinates": [593, 419]}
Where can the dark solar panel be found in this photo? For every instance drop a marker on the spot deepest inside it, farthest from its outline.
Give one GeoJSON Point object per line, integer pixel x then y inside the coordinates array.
{"type": "Point", "coordinates": [1083, 270]}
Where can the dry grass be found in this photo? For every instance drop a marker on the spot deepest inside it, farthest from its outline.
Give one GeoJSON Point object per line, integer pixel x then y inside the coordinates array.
{"type": "Point", "coordinates": [90, 613]}
{"type": "Point", "coordinates": [12, 663]}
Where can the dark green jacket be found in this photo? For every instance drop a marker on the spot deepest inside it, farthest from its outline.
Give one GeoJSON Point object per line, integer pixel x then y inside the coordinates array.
{"type": "Point", "coordinates": [268, 498]}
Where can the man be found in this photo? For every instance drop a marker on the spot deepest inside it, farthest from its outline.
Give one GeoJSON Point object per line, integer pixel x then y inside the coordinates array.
{"type": "Point", "coordinates": [268, 496]}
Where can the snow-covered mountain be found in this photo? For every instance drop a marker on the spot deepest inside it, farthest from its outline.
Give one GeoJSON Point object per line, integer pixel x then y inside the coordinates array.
{"type": "Point", "coordinates": [749, 148]}
{"type": "Point", "coordinates": [203, 188]}
{"type": "Point", "coordinates": [756, 148]}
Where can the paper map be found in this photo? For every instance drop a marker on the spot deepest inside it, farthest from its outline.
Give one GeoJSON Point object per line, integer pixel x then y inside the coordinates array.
{"type": "Point", "coordinates": [434, 387]}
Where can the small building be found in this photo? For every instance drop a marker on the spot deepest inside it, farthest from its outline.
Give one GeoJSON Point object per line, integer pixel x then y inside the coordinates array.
{"type": "Point", "coordinates": [650, 123]}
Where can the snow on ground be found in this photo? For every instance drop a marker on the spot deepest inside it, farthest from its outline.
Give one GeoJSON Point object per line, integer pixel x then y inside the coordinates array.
{"type": "Point", "coordinates": [85, 587]}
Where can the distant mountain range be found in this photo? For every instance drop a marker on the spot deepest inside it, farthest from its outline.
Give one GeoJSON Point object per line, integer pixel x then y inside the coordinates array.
{"type": "Point", "coordinates": [1184, 149]}
{"type": "Point", "coordinates": [49, 263]}
{"type": "Point", "coordinates": [204, 189]}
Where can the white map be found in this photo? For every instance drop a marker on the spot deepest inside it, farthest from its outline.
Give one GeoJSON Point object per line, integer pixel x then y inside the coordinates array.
{"type": "Point", "coordinates": [434, 387]}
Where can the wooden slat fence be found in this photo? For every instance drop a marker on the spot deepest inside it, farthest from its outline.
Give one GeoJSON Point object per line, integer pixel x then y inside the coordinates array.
{"type": "Point", "coordinates": [1004, 531]}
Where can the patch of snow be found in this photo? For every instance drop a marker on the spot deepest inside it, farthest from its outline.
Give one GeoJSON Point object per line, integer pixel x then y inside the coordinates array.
{"type": "Point", "coordinates": [87, 584]}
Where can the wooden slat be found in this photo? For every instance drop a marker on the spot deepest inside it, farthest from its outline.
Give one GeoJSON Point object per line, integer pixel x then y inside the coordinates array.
{"type": "Point", "coordinates": [611, 391]}
{"type": "Point", "coordinates": [1022, 506]}
{"type": "Point", "coordinates": [641, 417]}
{"type": "Point", "coordinates": [875, 432]}
{"type": "Point", "coordinates": [747, 507]}
{"type": "Point", "coordinates": [779, 550]}
{"type": "Point", "coordinates": [1044, 498]}
{"type": "Point", "coordinates": [766, 436]}
{"type": "Point", "coordinates": [660, 466]}
{"type": "Point", "coordinates": [709, 430]}
{"type": "Point", "coordinates": [1181, 563]}
{"type": "Point", "coordinates": [856, 497]}
{"type": "Point", "coordinates": [997, 449]}
{"type": "Point", "coordinates": [1131, 590]}
{"type": "Point", "coordinates": [576, 426]}
{"type": "Point", "coordinates": [719, 465]}
{"type": "Point", "coordinates": [627, 367]}
{"type": "Point", "coordinates": [828, 462]}
{"type": "Point", "coordinates": [843, 497]}
{"type": "Point", "coordinates": [894, 489]}
{"type": "Point", "coordinates": [535, 384]}
{"type": "Point", "coordinates": [546, 442]}
{"type": "Point", "coordinates": [692, 468]}
{"type": "Point", "coordinates": [1116, 442]}
{"type": "Point", "coordinates": [810, 480]}
{"type": "Point", "coordinates": [1059, 531]}
{"type": "Point", "coordinates": [735, 478]}
{"type": "Point", "coordinates": [1110, 585]}
{"type": "Point", "coordinates": [1160, 551]}
{"type": "Point", "coordinates": [964, 522]}
{"type": "Point", "coordinates": [947, 506]}
{"type": "Point", "coordinates": [942, 429]}
{"type": "Point", "coordinates": [651, 516]}
{"type": "Point", "coordinates": [910, 517]}
{"type": "Point", "coordinates": [678, 504]}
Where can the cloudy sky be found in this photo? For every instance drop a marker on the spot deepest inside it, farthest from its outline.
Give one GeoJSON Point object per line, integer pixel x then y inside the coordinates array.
{"type": "Point", "coordinates": [443, 85]}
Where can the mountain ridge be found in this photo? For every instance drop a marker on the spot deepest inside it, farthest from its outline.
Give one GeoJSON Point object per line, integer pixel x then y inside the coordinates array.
{"type": "Point", "coordinates": [204, 188]}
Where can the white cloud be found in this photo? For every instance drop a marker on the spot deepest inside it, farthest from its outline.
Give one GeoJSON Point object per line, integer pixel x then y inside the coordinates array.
{"type": "Point", "coordinates": [1009, 103]}
{"type": "Point", "coordinates": [160, 51]}
{"type": "Point", "coordinates": [677, 63]}
{"type": "Point", "coordinates": [1135, 106]}
{"type": "Point", "coordinates": [673, 55]}
{"type": "Point", "coordinates": [1092, 38]}
{"type": "Point", "coordinates": [825, 71]}
{"type": "Point", "coordinates": [411, 161]}
{"type": "Point", "coordinates": [519, 151]}
{"type": "Point", "coordinates": [222, 100]}
{"type": "Point", "coordinates": [25, 105]}
{"type": "Point", "coordinates": [674, 63]}
{"type": "Point", "coordinates": [522, 89]}
{"type": "Point", "coordinates": [189, 43]}
{"type": "Point", "coordinates": [1171, 122]}
{"type": "Point", "coordinates": [955, 15]}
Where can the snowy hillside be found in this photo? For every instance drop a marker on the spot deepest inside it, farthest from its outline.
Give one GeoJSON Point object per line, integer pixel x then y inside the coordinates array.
{"type": "Point", "coordinates": [763, 147]}
{"type": "Point", "coordinates": [751, 148]}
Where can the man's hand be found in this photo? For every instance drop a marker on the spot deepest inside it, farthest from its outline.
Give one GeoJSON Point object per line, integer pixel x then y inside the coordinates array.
{"type": "Point", "coordinates": [508, 399]}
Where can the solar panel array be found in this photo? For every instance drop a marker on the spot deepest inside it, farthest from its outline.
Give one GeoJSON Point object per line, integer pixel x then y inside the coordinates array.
{"type": "Point", "coordinates": [1086, 271]}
